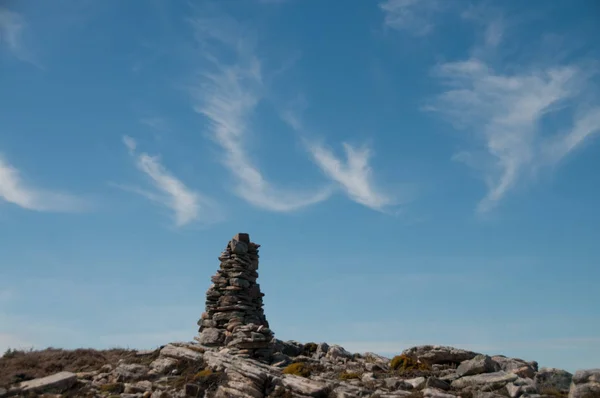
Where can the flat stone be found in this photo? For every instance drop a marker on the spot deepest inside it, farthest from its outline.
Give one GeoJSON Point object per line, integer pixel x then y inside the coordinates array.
{"type": "Point", "coordinates": [172, 351]}
{"type": "Point", "coordinates": [494, 380]}
{"type": "Point", "coordinates": [304, 386]}
{"type": "Point", "coordinates": [417, 382]}
{"type": "Point", "coordinates": [57, 382]}
{"type": "Point", "coordinates": [435, 393]}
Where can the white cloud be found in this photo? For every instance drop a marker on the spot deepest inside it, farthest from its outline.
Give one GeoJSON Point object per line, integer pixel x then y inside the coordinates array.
{"type": "Point", "coordinates": [228, 97]}
{"type": "Point", "coordinates": [169, 191]}
{"type": "Point", "coordinates": [157, 123]}
{"type": "Point", "coordinates": [504, 112]}
{"type": "Point", "coordinates": [410, 15]}
{"type": "Point", "coordinates": [14, 190]}
{"type": "Point", "coordinates": [12, 28]}
{"type": "Point", "coordinates": [354, 175]}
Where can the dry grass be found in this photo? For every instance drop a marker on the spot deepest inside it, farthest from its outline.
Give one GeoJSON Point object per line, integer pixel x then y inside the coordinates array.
{"type": "Point", "coordinates": [21, 365]}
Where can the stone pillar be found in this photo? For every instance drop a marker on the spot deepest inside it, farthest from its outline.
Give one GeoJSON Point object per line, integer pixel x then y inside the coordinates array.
{"type": "Point", "coordinates": [234, 316]}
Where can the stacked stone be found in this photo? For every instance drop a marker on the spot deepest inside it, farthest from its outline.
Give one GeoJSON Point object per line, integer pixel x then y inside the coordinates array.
{"type": "Point", "coordinates": [234, 316]}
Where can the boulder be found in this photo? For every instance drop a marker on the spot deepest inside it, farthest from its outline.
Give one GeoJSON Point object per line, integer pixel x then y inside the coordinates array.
{"type": "Point", "coordinates": [336, 352]}
{"type": "Point", "coordinates": [436, 354]}
{"type": "Point", "coordinates": [516, 366]}
{"type": "Point", "coordinates": [477, 365]}
{"type": "Point", "coordinates": [585, 384]}
{"type": "Point", "coordinates": [57, 382]}
{"type": "Point", "coordinates": [434, 382]}
{"type": "Point", "coordinates": [553, 379]}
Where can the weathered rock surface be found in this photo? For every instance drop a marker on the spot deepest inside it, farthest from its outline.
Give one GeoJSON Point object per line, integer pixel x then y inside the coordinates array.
{"type": "Point", "coordinates": [479, 364]}
{"type": "Point", "coordinates": [553, 379]}
{"type": "Point", "coordinates": [431, 354]}
{"type": "Point", "coordinates": [54, 383]}
{"type": "Point", "coordinates": [585, 384]}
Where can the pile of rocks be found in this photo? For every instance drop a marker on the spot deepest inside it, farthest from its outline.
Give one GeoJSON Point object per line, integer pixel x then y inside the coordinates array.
{"type": "Point", "coordinates": [234, 316]}
{"type": "Point", "coordinates": [180, 370]}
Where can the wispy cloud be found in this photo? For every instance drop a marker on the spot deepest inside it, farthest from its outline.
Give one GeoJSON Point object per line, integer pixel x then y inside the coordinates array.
{"type": "Point", "coordinates": [414, 16]}
{"type": "Point", "coordinates": [156, 123]}
{"type": "Point", "coordinates": [12, 28]}
{"type": "Point", "coordinates": [228, 96]}
{"type": "Point", "coordinates": [354, 174]}
{"type": "Point", "coordinates": [188, 205]}
{"type": "Point", "coordinates": [505, 112]}
{"type": "Point", "coordinates": [14, 190]}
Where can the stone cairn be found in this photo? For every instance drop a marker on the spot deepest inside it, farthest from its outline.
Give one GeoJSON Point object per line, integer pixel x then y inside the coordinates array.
{"type": "Point", "coordinates": [234, 316]}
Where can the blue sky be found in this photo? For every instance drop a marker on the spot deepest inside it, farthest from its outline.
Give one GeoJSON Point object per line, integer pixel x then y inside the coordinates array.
{"type": "Point", "coordinates": [417, 172]}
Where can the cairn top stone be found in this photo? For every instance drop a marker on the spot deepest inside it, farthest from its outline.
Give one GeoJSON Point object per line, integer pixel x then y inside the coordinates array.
{"type": "Point", "coordinates": [242, 237]}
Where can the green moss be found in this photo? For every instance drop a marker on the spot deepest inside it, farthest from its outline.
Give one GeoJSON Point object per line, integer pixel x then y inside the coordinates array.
{"type": "Point", "coordinates": [298, 369]}
{"type": "Point", "coordinates": [116, 388]}
{"type": "Point", "coordinates": [349, 376]}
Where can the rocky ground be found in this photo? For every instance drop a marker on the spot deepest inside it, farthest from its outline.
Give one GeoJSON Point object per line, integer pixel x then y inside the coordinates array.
{"type": "Point", "coordinates": [295, 370]}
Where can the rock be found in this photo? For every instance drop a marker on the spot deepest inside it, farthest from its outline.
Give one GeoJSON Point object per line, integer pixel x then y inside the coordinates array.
{"type": "Point", "coordinates": [477, 365]}
{"type": "Point", "coordinates": [191, 390]}
{"type": "Point", "coordinates": [434, 382]}
{"type": "Point", "coordinates": [435, 393]}
{"type": "Point", "coordinates": [417, 383]}
{"type": "Point", "coordinates": [304, 386]}
{"type": "Point", "coordinates": [322, 349]}
{"type": "Point", "coordinates": [291, 348]}
{"type": "Point", "coordinates": [211, 337]}
{"type": "Point", "coordinates": [366, 377]}
{"type": "Point", "coordinates": [3, 392]}
{"type": "Point", "coordinates": [521, 386]}
{"type": "Point", "coordinates": [516, 366]}
{"type": "Point", "coordinates": [553, 379]}
{"type": "Point", "coordinates": [493, 381]}
{"type": "Point", "coordinates": [163, 365]}
{"type": "Point", "coordinates": [139, 387]}
{"type": "Point", "coordinates": [431, 354]}
{"type": "Point", "coordinates": [130, 372]}
{"type": "Point", "coordinates": [393, 383]}
{"type": "Point", "coordinates": [487, 394]}
{"type": "Point", "coordinates": [337, 352]}
{"type": "Point", "coordinates": [172, 351]}
{"type": "Point", "coordinates": [585, 384]}
{"type": "Point", "coordinates": [57, 382]}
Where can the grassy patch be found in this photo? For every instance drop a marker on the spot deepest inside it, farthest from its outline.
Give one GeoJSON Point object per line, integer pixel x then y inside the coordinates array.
{"type": "Point", "coordinates": [298, 369]}
{"type": "Point", "coordinates": [348, 376]}
{"type": "Point", "coordinates": [553, 392]}
{"type": "Point", "coordinates": [115, 388]}
{"type": "Point", "coordinates": [409, 367]}
{"type": "Point", "coordinates": [22, 365]}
